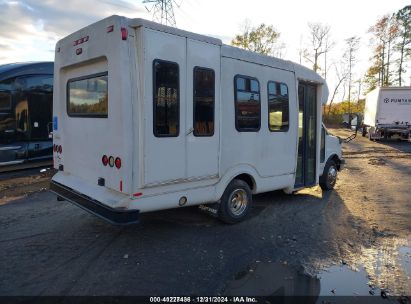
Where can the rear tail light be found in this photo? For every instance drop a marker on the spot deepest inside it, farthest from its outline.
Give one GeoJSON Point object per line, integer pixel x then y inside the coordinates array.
{"type": "Point", "coordinates": [111, 161]}
{"type": "Point", "coordinates": [104, 160]}
{"type": "Point", "coordinates": [118, 163]}
{"type": "Point", "coordinates": [57, 148]}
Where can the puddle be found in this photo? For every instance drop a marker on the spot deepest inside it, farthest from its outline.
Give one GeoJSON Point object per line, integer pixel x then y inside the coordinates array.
{"type": "Point", "coordinates": [342, 281]}
{"type": "Point", "coordinates": [272, 279]}
{"type": "Point", "coordinates": [385, 267]}
{"type": "Point", "coordinates": [405, 259]}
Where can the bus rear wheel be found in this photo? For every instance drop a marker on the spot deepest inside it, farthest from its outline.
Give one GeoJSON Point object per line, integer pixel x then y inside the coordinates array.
{"type": "Point", "coordinates": [235, 202]}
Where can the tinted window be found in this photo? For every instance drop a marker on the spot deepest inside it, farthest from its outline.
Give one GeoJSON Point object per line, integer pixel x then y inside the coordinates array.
{"type": "Point", "coordinates": [247, 104]}
{"type": "Point", "coordinates": [203, 106]}
{"type": "Point", "coordinates": [322, 153]}
{"type": "Point", "coordinates": [278, 109]}
{"type": "Point", "coordinates": [29, 101]}
{"type": "Point", "coordinates": [166, 98]}
{"type": "Point", "coordinates": [36, 83]}
{"type": "Point", "coordinates": [5, 101]}
{"type": "Point", "coordinates": [88, 96]}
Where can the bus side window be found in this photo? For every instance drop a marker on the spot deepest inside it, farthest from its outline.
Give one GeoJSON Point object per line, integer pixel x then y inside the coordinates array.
{"type": "Point", "coordinates": [247, 104]}
{"type": "Point", "coordinates": [166, 99]}
{"type": "Point", "coordinates": [203, 101]}
{"type": "Point", "coordinates": [278, 106]}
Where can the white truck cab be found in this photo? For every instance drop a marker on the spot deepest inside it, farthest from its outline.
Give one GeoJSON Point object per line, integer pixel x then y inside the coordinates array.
{"type": "Point", "coordinates": [149, 117]}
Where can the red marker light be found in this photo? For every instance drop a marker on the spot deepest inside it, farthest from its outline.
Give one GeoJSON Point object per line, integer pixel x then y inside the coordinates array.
{"type": "Point", "coordinates": [110, 28]}
{"type": "Point", "coordinates": [138, 194]}
{"type": "Point", "coordinates": [123, 33]}
{"type": "Point", "coordinates": [104, 160]}
{"type": "Point", "coordinates": [118, 163]}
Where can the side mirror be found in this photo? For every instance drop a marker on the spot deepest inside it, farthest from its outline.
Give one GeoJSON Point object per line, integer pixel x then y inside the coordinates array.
{"type": "Point", "coordinates": [354, 122]}
{"type": "Point", "coordinates": [351, 121]}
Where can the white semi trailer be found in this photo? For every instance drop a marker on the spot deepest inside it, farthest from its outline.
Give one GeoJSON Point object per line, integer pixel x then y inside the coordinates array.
{"type": "Point", "coordinates": [387, 113]}
{"type": "Point", "coordinates": [149, 117]}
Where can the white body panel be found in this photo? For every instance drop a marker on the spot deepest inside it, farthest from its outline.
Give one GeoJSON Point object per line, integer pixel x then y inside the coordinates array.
{"type": "Point", "coordinates": [388, 106]}
{"type": "Point", "coordinates": [157, 171]}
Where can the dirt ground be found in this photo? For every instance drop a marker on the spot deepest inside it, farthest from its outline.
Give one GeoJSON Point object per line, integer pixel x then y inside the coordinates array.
{"type": "Point", "coordinates": [354, 240]}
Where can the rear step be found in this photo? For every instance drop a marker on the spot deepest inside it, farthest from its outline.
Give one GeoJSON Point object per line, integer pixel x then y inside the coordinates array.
{"type": "Point", "coordinates": [112, 215]}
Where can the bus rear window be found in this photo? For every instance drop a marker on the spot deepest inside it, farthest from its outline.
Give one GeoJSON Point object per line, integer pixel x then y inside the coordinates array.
{"type": "Point", "coordinates": [88, 96]}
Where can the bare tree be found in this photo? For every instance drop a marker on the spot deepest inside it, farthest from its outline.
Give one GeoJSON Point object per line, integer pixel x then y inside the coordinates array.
{"type": "Point", "coordinates": [319, 43]}
{"type": "Point", "coordinates": [341, 73]}
{"type": "Point", "coordinates": [350, 59]}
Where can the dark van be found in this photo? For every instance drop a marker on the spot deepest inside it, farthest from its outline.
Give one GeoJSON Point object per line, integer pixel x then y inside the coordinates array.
{"type": "Point", "coordinates": [26, 99]}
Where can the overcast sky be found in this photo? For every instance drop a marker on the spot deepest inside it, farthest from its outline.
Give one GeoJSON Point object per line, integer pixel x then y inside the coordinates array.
{"type": "Point", "coordinates": [29, 29]}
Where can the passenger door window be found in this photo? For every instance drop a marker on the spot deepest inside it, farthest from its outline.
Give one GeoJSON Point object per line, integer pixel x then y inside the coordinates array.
{"type": "Point", "coordinates": [203, 98]}
{"type": "Point", "coordinates": [278, 108]}
{"type": "Point", "coordinates": [166, 98]}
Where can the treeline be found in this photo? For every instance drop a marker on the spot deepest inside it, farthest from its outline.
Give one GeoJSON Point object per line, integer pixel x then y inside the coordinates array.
{"type": "Point", "coordinates": [333, 113]}
{"type": "Point", "coordinates": [391, 42]}
{"type": "Point", "coordinates": [390, 51]}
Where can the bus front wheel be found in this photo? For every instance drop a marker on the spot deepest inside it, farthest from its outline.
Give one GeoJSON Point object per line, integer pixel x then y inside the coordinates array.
{"type": "Point", "coordinates": [329, 177]}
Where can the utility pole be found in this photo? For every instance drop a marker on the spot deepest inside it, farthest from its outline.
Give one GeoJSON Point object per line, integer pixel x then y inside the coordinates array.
{"type": "Point", "coordinates": [163, 11]}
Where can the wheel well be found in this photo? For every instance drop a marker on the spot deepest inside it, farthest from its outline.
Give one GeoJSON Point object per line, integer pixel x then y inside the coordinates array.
{"type": "Point", "coordinates": [248, 179]}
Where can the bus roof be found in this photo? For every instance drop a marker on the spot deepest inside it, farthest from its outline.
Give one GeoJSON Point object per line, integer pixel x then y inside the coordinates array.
{"type": "Point", "coordinates": [302, 72]}
{"type": "Point", "coordinates": [139, 22]}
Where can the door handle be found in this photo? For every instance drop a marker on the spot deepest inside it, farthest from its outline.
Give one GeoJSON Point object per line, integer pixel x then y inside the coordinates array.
{"type": "Point", "coordinates": [36, 146]}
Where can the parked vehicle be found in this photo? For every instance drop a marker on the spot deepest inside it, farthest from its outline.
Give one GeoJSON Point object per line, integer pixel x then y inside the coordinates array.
{"type": "Point", "coordinates": [26, 100]}
{"type": "Point", "coordinates": [149, 117]}
{"type": "Point", "coordinates": [387, 113]}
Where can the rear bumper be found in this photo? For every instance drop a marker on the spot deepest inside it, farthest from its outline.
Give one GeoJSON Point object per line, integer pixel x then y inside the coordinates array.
{"type": "Point", "coordinates": [112, 215]}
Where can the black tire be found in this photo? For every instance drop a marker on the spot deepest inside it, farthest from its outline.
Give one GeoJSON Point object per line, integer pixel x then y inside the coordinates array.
{"type": "Point", "coordinates": [329, 177]}
{"type": "Point", "coordinates": [230, 211]}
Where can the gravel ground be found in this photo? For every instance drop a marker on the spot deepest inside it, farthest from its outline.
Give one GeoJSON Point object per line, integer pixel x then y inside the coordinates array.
{"type": "Point", "coordinates": [289, 244]}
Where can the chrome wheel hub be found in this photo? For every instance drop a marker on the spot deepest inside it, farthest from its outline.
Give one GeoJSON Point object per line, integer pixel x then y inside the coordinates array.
{"type": "Point", "coordinates": [332, 175]}
{"type": "Point", "coordinates": [238, 202]}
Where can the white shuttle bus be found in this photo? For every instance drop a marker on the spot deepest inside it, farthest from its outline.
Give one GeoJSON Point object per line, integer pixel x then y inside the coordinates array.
{"type": "Point", "coordinates": [149, 117]}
